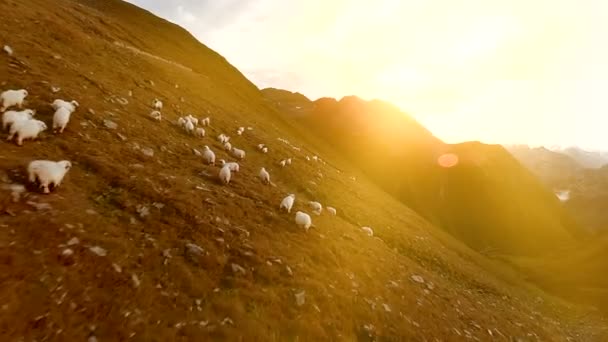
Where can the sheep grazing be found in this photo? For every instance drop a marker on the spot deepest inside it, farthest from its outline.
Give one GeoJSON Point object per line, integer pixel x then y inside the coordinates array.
{"type": "Point", "coordinates": [225, 174]}
{"type": "Point", "coordinates": [303, 220]}
{"type": "Point", "coordinates": [240, 130]}
{"type": "Point", "coordinates": [222, 138]}
{"type": "Point", "coordinates": [283, 163]}
{"type": "Point", "coordinates": [260, 147]}
{"type": "Point", "coordinates": [234, 167]}
{"type": "Point", "coordinates": [192, 119]}
{"type": "Point", "coordinates": [71, 105]}
{"type": "Point", "coordinates": [265, 150]}
{"type": "Point", "coordinates": [157, 104]}
{"type": "Point", "coordinates": [264, 176]}
{"type": "Point", "coordinates": [181, 122]}
{"type": "Point", "coordinates": [26, 129]}
{"type": "Point", "coordinates": [189, 127]}
{"type": "Point", "coordinates": [315, 158]}
{"type": "Point", "coordinates": [287, 202]}
{"type": "Point", "coordinates": [206, 121]}
{"type": "Point", "coordinates": [209, 156]}
{"type": "Point", "coordinates": [11, 117]}
{"type": "Point", "coordinates": [288, 161]}
{"type": "Point", "coordinates": [331, 210]}
{"type": "Point", "coordinates": [368, 231]}
{"type": "Point", "coordinates": [156, 115]}
{"type": "Point", "coordinates": [307, 158]}
{"type": "Point", "coordinates": [240, 154]}
{"type": "Point", "coordinates": [317, 208]}
{"type": "Point", "coordinates": [11, 98]}
{"type": "Point", "coordinates": [61, 119]}
{"type": "Point", "coordinates": [227, 146]}
{"type": "Point", "coordinates": [199, 132]}
{"type": "Point", "coordinates": [47, 173]}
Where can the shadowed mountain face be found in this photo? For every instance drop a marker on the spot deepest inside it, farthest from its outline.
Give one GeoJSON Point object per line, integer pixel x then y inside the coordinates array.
{"type": "Point", "coordinates": [487, 200]}
{"type": "Point", "coordinates": [587, 188]}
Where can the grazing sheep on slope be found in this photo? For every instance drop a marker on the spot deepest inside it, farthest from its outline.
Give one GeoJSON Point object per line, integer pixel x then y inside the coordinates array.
{"type": "Point", "coordinates": [225, 174]}
{"type": "Point", "coordinates": [227, 146]}
{"type": "Point", "coordinates": [331, 210]}
{"type": "Point", "coordinates": [26, 129]}
{"type": "Point", "coordinates": [264, 176]}
{"type": "Point", "coordinates": [157, 104]}
{"type": "Point", "coordinates": [47, 173]}
{"type": "Point", "coordinates": [156, 115]}
{"type": "Point", "coordinates": [189, 127]}
{"type": "Point", "coordinates": [61, 119]}
{"type": "Point", "coordinates": [200, 132]}
{"type": "Point", "coordinates": [206, 121]}
{"type": "Point", "coordinates": [317, 208]}
{"type": "Point", "coordinates": [11, 116]}
{"type": "Point", "coordinates": [265, 150]}
{"type": "Point", "coordinates": [237, 153]}
{"type": "Point", "coordinates": [71, 105]}
{"type": "Point", "coordinates": [234, 167]}
{"type": "Point", "coordinates": [287, 202]}
{"type": "Point", "coordinates": [11, 98]}
{"type": "Point", "coordinates": [303, 220]}
{"type": "Point", "coordinates": [209, 156]}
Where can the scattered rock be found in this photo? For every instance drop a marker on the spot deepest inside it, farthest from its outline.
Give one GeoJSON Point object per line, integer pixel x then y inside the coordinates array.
{"type": "Point", "coordinates": [55, 89]}
{"type": "Point", "coordinates": [130, 93]}
{"type": "Point", "coordinates": [148, 152]}
{"type": "Point", "coordinates": [236, 268]}
{"type": "Point", "coordinates": [289, 271]}
{"type": "Point", "coordinates": [135, 280]}
{"type": "Point", "coordinates": [386, 307]}
{"type": "Point", "coordinates": [143, 210]}
{"type": "Point", "coordinates": [91, 212]}
{"type": "Point", "coordinates": [98, 250]}
{"type": "Point", "coordinates": [110, 124]}
{"type": "Point", "coordinates": [417, 279]}
{"type": "Point", "coordinates": [227, 320]}
{"type": "Point", "coordinates": [158, 205]}
{"type": "Point", "coordinates": [91, 111]}
{"type": "Point", "coordinates": [39, 206]}
{"type": "Point", "coordinates": [194, 249]}
{"type": "Point", "coordinates": [300, 298]}
{"type": "Point", "coordinates": [8, 50]}
{"type": "Point", "coordinates": [122, 137]}
{"type": "Point", "coordinates": [117, 268]}
{"type": "Point", "coordinates": [16, 191]}
{"type": "Point", "coordinates": [197, 152]}
{"type": "Point", "coordinates": [58, 57]}
{"type": "Point", "coordinates": [67, 252]}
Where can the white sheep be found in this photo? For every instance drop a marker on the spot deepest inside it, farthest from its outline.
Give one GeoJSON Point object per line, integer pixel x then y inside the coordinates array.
{"type": "Point", "coordinates": [12, 116]}
{"type": "Point", "coordinates": [331, 210]}
{"type": "Point", "coordinates": [283, 163]}
{"type": "Point", "coordinates": [192, 119]}
{"type": "Point", "coordinates": [260, 146]}
{"type": "Point", "coordinates": [227, 146]}
{"type": "Point", "coordinates": [303, 220]}
{"type": "Point", "coordinates": [287, 202]}
{"type": "Point", "coordinates": [265, 150]}
{"type": "Point", "coordinates": [156, 115]}
{"type": "Point", "coordinates": [157, 104]}
{"type": "Point", "coordinates": [47, 173]}
{"type": "Point", "coordinates": [240, 130]}
{"type": "Point", "coordinates": [315, 158]}
{"type": "Point", "coordinates": [240, 154]}
{"type": "Point", "coordinates": [209, 156]}
{"type": "Point", "coordinates": [181, 122]}
{"type": "Point", "coordinates": [264, 176]}
{"type": "Point", "coordinates": [206, 121]}
{"type": "Point", "coordinates": [26, 129]}
{"type": "Point", "coordinates": [71, 105]}
{"type": "Point", "coordinates": [11, 98]}
{"type": "Point", "coordinates": [234, 167]}
{"type": "Point", "coordinates": [61, 119]}
{"type": "Point", "coordinates": [288, 161]}
{"type": "Point", "coordinates": [317, 208]}
{"type": "Point", "coordinates": [225, 174]}
{"type": "Point", "coordinates": [200, 132]}
{"type": "Point", "coordinates": [222, 138]}
{"type": "Point", "coordinates": [307, 158]}
{"type": "Point", "coordinates": [368, 231]}
{"type": "Point", "coordinates": [189, 127]}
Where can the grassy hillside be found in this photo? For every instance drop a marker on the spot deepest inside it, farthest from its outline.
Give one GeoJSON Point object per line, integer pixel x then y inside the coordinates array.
{"type": "Point", "coordinates": [488, 200]}
{"type": "Point", "coordinates": [160, 251]}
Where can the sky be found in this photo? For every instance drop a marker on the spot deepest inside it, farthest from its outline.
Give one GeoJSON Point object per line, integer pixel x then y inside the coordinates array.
{"type": "Point", "coordinates": [512, 72]}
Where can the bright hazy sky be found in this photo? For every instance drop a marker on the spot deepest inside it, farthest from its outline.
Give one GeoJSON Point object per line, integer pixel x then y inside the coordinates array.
{"type": "Point", "coordinates": [512, 71]}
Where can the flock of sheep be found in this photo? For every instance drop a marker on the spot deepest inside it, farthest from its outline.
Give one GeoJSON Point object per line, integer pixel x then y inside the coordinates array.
{"type": "Point", "coordinates": [49, 174]}
{"type": "Point", "coordinates": [21, 126]}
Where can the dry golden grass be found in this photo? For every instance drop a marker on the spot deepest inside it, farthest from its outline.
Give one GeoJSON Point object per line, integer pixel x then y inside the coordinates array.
{"type": "Point", "coordinates": [346, 276]}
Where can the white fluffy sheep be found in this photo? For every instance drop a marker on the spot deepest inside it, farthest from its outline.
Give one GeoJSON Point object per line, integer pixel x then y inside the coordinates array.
{"type": "Point", "coordinates": [237, 153]}
{"type": "Point", "coordinates": [287, 202]}
{"type": "Point", "coordinates": [11, 98]}
{"type": "Point", "coordinates": [303, 220]}
{"type": "Point", "coordinates": [189, 127]}
{"type": "Point", "coordinates": [61, 119]}
{"type": "Point", "coordinates": [156, 115]}
{"type": "Point", "coordinates": [12, 116]}
{"type": "Point", "coordinates": [315, 158]}
{"type": "Point", "coordinates": [199, 132]}
{"type": "Point", "coordinates": [26, 129]}
{"type": "Point", "coordinates": [206, 121]}
{"type": "Point", "coordinates": [368, 231]}
{"type": "Point", "coordinates": [192, 119]}
{"type": "Point", "coordinates": [264, 176]}
{"type": "Point", "coordinates": [316, 207]}
{"type": "Point", "coordinates": [288, 161]}
{"type": "Point", "coordinates": [227, 146]}
{"type": "Point", "coordinates": [223, 138]}
{"type": "Point", "coordinates": [234, 167]}
{"type": "Point", "coordinates": [283, 163]}
{"type": "Point", "coordinates": [331, 210]}
{"type": "Point", "coordinates": [260, 146]}
{"type": "Point", "coordinates": [265, 150]}
{"type": "Point", "coordinates": [181, 122]}
{"type": "Point", "coordinates": [71, 105]}
{"type": "Point", "coordinates": [225, 174]}
{"type": "Point", "coordinates": [157, 104]}
{"type": "Point", "coordinates": [47, 173]}
{"type": "Point", "coordinates": [209, 156]}
{"type": "Point", "coordinates": [240, 130]}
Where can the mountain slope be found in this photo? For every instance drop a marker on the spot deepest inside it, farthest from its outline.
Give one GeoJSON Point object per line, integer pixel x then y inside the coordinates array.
{"type": "Point", "coordinates": [160, 251]}
{"type": "Point", "coordinates": [487, 200]}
